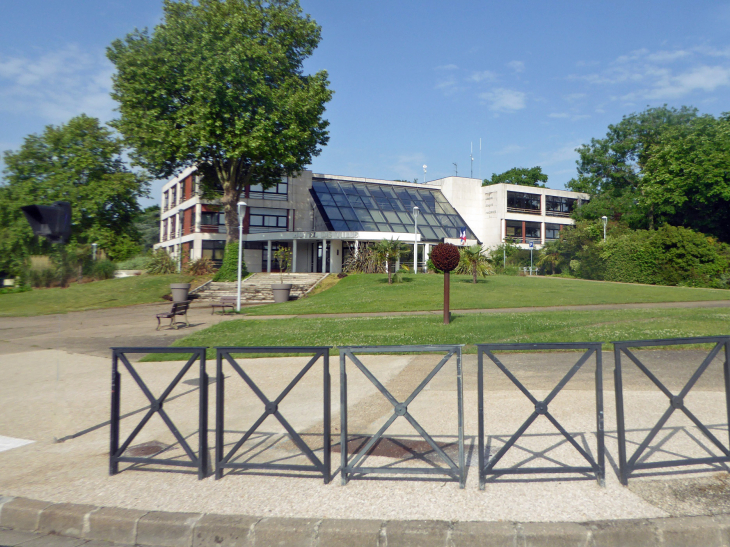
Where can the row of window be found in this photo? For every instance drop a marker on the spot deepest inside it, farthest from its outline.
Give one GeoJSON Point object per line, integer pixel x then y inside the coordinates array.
{"type": "Point", "coordinates": [532, 230]}
{"type": "Point", "coordinates": [523, 202]}
{"type": "Point", "coordinates": [279, 191]}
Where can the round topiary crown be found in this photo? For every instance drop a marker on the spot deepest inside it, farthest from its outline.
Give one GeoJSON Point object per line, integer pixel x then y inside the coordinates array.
{"type": "Point", "coordinates": [445, 256]}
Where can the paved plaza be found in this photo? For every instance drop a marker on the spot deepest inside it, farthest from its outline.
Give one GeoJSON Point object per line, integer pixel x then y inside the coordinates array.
{"type": "Point", "coordinates": [54, 432]}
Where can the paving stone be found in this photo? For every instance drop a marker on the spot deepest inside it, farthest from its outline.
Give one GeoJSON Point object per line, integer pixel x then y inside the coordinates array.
{"type": "Point", "coordinates": [722, 523]}
{"type": "Point", "coordinates": [418, 533]}
{"type": "Point", "coordinates": [553, 534]}
{"type": "Point", "coordinates": [690, 532]}
{"type": "Point", "coordinates": [167, 529]}
{"type": "Point", "coordinates": [624, 533]}
{"type": "Point", "coordinates": [223, 531]}
{"type": "Point", "coordinates": [483, 534]}
{"type": "Point", "coordinates": [350, 532]}
{"type": "Point", "coordinates": [114, 524]}
{"type": "Point", "coordinates": [11, 538]}
{"type": "Point", "coordinates": [22, 514]}
{"type": "Point", "coordinates": [96, 543]}
{"type": "Point", "coordinates": [289, 532]}
{"type": "Point", "coordinates": [65, 519]}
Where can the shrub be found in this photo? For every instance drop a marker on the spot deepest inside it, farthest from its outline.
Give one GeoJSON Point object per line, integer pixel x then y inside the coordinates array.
{"type": "Point", "coordinates": [161, 263]}
{"type": "Point", "coordinates": [366, 261]}
{"type": "Point", "coordinates": [103, 269]}
{"type": "Point", "coordinates": [229, 269]}
{"type": "Point", "coordinates": [139, 262]}
{"type": "Point", "coordinates": [201, 266]}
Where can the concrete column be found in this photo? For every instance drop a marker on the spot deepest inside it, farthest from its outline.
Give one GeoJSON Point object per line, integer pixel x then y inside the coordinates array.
{"type": "Point", "coordinates": [542, 233]}
{"type": "Point", "coordinates": [324, 256]}
{"type": "Point", "coordinates": [335, 256]}
{"type": "Point", "coordinates": [426, 253]}
{"type": "Point", "coordinates": [268, 257]}
{"type": "Point", "coordinates": [357, 248]}
{"type": "Point", "coordinates": [294, 256]}
{"type": "Point", "coordinates": [198, 214]}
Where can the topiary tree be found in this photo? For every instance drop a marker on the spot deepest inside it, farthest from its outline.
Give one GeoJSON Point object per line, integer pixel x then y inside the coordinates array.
{"type": "Point", "coordinates": [445, 257]}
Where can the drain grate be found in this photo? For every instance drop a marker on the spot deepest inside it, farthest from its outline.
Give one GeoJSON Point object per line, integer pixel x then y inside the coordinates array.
{"type": "Point", "coordinates": [146, 449]}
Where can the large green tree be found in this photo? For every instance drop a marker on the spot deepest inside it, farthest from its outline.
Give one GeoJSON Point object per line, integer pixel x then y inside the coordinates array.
{"type": "Point", "coordinates": [79, 162]}
{"type": "Point", "coordinates": [612, 169]}
{"type": "Point", "coordinates": [220, 84]}
{"type": "Point", "coordinates": [523, 176]}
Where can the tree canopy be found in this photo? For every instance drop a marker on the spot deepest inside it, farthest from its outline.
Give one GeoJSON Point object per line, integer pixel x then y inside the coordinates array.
{"type": "Point", "coordinates": [220, 84]}
{"type": "Point", "coordinates": [663, 165]}
{"type": "Point", "coordinates": [79, 162]}
{"type": "Point", "coordinates": [522, 176]}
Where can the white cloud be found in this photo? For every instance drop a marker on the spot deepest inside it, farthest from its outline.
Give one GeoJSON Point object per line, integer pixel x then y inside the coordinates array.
{"type": "Point", "coordinates": [573, 97]}
{"type": "Point", "coordinates": [702, 78]}
{"type": "Point", "coordinates": [509, 149]}
{"type": "Point", "coordinates": [407, 166]}
{"type": "Point", "coordinates": [504, 100]}
{"type": "Point", "coordinates": [447, 67]}
{"type": "Point", "coordinates": [484, 75]}
{"type": "Point", "coordinates": [568, 116]}
{"type": "Point", "coordinates": [559, 115]}
{"type": "Point", "coordinates": [516, 66]}
{"type": "Point", "coordinates": [57, 85]}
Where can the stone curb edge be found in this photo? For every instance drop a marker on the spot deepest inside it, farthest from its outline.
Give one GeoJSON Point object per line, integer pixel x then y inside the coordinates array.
{"type": "Point", "coordinates": [158, 529]}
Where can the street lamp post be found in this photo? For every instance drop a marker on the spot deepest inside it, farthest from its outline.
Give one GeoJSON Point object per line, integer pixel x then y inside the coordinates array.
{"type": "Point", "coordinates": [415, 240]}
{"type": "Point", "coordinates": [605, 221]}
{"type": "Point", "coordinates": [241, 209]}
{"type": "Point", "coordinates": [424, 173]}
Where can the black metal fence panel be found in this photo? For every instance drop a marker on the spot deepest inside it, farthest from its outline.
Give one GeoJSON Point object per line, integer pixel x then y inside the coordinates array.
{"type": "Point", "coordinates": [595, 465]}
{"type": "Point", "coordinates": [224, 460]}
{"type": "Point", "coordinates": [116, 452]}
{"type": "Point", "coordinates": [354, 465]}
{"type": "Point", "coordinates": [676, 402]}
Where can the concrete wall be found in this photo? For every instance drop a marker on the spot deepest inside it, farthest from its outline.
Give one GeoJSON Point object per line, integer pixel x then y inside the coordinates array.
{"type": "Point", "coordinates": [466, 197]}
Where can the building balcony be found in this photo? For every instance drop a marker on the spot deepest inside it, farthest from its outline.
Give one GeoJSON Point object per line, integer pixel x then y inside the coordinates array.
{"type": "Point", "coordinates": [524, 211]}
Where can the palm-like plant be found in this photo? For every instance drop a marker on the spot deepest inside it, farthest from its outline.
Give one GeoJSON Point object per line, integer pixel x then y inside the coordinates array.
{"type": "Point", "coordinates": [550, 254]}
{"type": "Point", "coordinates": [390, 250]}
{"type": "Point", "coordinates": [473, 260]}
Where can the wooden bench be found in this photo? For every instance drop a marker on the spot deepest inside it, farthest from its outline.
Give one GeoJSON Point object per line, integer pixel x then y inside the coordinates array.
{"type": "Point", "coordinates": [179, 309]}
{"type": "Point", "coordinates": [225, 302]}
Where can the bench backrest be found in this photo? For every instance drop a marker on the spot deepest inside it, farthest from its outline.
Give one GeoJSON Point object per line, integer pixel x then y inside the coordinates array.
{"type": "Point", "coordinates": [180, 307]}
{"type": "Point", "coordinates": [228, 299]}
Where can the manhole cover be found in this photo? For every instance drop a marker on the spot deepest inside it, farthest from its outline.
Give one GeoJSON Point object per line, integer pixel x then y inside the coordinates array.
{"type": "Point", "coordinates": [392, 447]}
{"type": "Point", "coordinates": [145, 449]}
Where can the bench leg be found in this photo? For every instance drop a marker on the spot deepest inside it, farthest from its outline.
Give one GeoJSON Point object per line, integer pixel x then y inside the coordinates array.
{"type": "Point", "coordinates": [158, 324]}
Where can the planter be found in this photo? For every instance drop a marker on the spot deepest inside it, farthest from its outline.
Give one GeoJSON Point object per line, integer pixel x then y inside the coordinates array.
{"type": "Point", "coordinates": [179, 291]}
{"type": "Point", "coordinates": [281, 292]}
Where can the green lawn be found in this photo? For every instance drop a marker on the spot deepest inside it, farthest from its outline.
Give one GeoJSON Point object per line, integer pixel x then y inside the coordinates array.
{"type": "Point", "coordinates": [564, 326]}
{"type": "Point", "coordinates": [371, 293]}
{"type": "Point", "coordinates": [88, 296]}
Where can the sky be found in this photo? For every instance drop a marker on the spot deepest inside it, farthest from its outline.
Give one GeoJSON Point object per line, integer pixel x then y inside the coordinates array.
{"type": "Point", "coordinates": [416, 81]}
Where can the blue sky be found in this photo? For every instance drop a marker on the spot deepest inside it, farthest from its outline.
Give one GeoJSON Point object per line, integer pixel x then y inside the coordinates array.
{"type": "Point", "coordinates": [416, 81]}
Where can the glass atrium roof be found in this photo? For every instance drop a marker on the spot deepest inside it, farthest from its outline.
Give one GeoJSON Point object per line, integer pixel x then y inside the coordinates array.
{"type": "Point", "coordinates": [369, 207]}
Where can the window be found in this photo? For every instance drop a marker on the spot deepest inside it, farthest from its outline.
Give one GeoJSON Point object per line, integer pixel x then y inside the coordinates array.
{"type": "Point", "coordinates": [173, 196]}
{"type": "Point", "coordinates": [552, 231]}
{"type": "Point", "coordinates": [267, 220]}
{"type": "Point", "coordinates": [514, 231]}
{"type": "Point", "coordinates": [213, 250]}
{"type": "Point", "coordinates": [520, 202]}
{"type": "Point", "coordinates": [279, 191]}
{"type": "Point", "coordinates": [165, 204]}
{"type": "Point", "coordinates": [532, 231]}
{"type": "Point", "coordinates": [559, 206]}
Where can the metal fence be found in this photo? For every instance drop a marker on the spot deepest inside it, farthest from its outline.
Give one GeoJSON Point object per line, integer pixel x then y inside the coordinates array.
{"type": "Point", "coordinates": [541, 409]}
{"type": "Point", "coordinates": [676, 402]}
{"type": "Point", "coordinates": [116, 452]}
{"type": "Point", "coordinates": [271, 408]}
{"type": "Point", "coordinates": [354, 465]}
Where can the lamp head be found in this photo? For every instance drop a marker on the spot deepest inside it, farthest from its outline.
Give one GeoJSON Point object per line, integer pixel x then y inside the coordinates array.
{"type": "Point", "coordinates": [415, 210]}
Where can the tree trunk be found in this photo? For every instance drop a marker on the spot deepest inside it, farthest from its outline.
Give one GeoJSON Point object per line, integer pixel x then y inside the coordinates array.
{"type": "Point", "coordinates": [474, 272]}
{"type": "Point", "coordinates": [389, 265]}
{"type": "Point", "coordinates": [232, 181]}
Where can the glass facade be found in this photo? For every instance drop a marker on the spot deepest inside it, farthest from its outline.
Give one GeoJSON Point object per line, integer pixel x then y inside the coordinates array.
{"type": "Point", "coordinates": [279, 191]}
{"type": "Point", "coordinates": [559, 206]}
{"type": "Point", "coordinates": [521, 202]}
{"type": "Point", "coordinates": [552, 231]}
{"type": "Point", "coordinates": [369, 207]}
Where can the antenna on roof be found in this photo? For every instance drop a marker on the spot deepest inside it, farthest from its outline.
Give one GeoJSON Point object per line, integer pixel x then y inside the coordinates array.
{"type": "Point", "coordinates": [456, 168]}
{"type": "Point", "coordinates": [471, 157]}
{"type": "Point", "coordinates": [480, 158]}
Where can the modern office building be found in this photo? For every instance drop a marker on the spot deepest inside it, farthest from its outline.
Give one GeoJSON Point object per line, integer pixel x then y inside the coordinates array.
{"type": "Point", "coordinates": [325, 218]}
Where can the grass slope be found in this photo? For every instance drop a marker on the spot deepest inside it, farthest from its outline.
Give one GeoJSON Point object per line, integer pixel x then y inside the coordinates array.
{"type": "Point", "coordinates": [568, 326]}
{"type": "Point", "coordinates": [111, 293]}
{"type": "Point", "coordinates": [371, 293]}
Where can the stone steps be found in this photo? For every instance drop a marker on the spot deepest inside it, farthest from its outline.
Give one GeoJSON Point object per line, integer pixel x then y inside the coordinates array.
{"type": "Point", "coordinates": [256, 289]}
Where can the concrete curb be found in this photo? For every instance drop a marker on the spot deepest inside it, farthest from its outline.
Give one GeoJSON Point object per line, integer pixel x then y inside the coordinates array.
{"type": "Point", "coordinates": [158, 529]}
